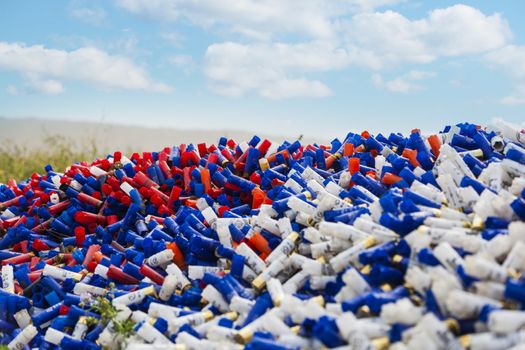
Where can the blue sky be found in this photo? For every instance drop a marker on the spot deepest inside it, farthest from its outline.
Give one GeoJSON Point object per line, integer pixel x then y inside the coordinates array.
{"type": "Point", "coordinates": [301, 66]}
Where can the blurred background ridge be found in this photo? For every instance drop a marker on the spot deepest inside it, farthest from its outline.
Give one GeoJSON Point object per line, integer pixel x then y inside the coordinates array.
{"type": "Point", "coordinates": [32, 133]}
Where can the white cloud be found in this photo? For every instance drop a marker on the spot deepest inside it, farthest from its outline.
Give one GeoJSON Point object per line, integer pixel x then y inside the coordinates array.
{"type": "Point", "coordinates": [370, 40]}
{"type": "Point", "coordinates": [182, 60]}
{"type": "Point", "coordinates": [456, 30]}
{"type": "Point", "coordinates": [256, 18]}
{"type": "Point", "coordinates": [46, 68]}
{"type": "Point", "coordinates": [95, 16]}
{"type": "Point", "coordinates": [12, 90]}
{"type": "Point", "coordinates": [404, 84]}
{"type": "Point", "coordinates": [127, 45]}
{"type": "Point", "coordinates": [453, 31]}
{"type": "Point", "coordinates": [34, 85]}
{"type": "Point", "coordinates": [185, 62]}
{"type": "Point", "coordinates": [371, 5]}
{"type": "Point", "coordinates": [460, 30]}
{"type": "Point", "coordinates": [271, 70]}
{"type": "Point", "coordinates": [511, 59]}
{"type": "Point", "coordinates": [173, 37]}
{"type": "Point", "coordinates": [328, 36]}
{"type": "Point", "coordinates": [44, 86]}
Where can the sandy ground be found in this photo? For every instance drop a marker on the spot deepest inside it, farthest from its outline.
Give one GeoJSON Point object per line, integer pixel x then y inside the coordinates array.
{"type": "Point", "coordinates": [31, 133]}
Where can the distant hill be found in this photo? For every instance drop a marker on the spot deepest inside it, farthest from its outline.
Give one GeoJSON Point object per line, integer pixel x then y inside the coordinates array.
{"type": "Point", "coordinates": [31, 133]}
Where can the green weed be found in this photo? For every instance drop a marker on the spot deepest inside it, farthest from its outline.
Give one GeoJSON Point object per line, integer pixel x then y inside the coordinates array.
{"type": "Point", "coordinates": [108, 313]}
{"type": "Point", "coordinates": [19, 162]}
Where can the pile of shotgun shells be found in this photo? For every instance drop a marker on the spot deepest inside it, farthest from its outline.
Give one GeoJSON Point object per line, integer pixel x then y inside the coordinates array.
{"type": "Point", "coordinates": [369, 242]}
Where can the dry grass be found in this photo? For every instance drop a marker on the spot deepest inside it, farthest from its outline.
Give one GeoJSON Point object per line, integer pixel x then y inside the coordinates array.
{"type": "Point", "coordinates": [18, 162]}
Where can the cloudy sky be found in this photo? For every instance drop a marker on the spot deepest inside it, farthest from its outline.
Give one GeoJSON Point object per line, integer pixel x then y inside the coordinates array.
{"type": "Point", "coordinates": [297, 66]}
